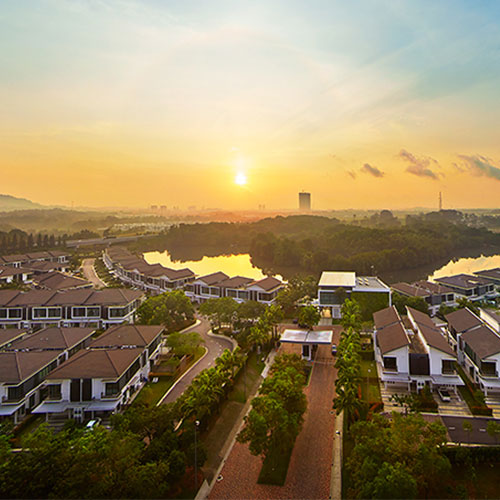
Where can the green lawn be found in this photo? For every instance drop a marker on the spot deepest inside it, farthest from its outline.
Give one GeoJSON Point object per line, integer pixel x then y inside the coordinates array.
{"type": "Point", "coordinates": [369, 381]}
{"type": "Point", "coordinates": [151, 393]}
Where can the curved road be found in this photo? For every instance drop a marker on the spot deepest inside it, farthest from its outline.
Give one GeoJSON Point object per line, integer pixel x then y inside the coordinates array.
{"type": "Point", "coordinates": [90, 274]}
{"type": "Point", "coordinates": [215, 346]}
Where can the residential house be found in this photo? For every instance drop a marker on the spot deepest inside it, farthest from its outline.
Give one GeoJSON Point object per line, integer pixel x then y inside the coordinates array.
{"type": "Point", "coordinates": [9, 274]}
{"type": "Point", "coordinates": [103, 378]}
{"type": "Point", "coordinates": [9, 335]}
{"type": "Point", "coordinates": [56, 280]}
{"type": "Point", "coordinates": [491, 318]}
{"type": "Point", "coordinates": [492, 275]}
{"type": "Point", "coordinates": [434, 294]}
{"type": "Point", "coordinates": [335, 286]}
{"type": "Point", "coordinates": [84, 307]}
{"type": "Point", "coordinates": [468, 286]}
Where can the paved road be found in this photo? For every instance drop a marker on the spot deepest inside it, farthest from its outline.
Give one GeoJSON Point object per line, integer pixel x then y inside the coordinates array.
{"type": "Point", "coordinates": [90, 274]}
{"type": "Point", "coordinates": [478, 434]}
{"type": "Point", "coordinates": [215, 348]}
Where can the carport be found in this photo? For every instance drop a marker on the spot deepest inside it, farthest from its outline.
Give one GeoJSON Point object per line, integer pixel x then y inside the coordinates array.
{"type": "Point", "coordinates": [308, 339]}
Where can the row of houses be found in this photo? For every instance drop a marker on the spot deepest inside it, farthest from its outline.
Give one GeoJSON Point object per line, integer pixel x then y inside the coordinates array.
{"type": "Point", "coordinates": [68, 373]}
{"type": "Point", "coordinates": [413, 352]}
{"type": "Point", "coordinates": [36, 309]}
{"type": "Point", "coordinates": [156, 278]}
{"type": "Point", "coordinates": [482, 285]}
{"type": "Point", "coordinates": [23, 260]}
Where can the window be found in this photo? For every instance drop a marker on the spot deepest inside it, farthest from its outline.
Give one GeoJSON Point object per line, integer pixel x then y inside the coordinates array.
{"type": "Point", "coordinates": [117, 312]}
{"type": "Point", "coordinates": [329, 298]}
{"type": "Point", "coordinates": [79, 312]}
{"type": "Point", "coordinates": [390, 363]}
{"type": "Point", "coordinates": [3, 313]}
{"type": "Point", "coordinates": [205, 290]}
{"type": "Point", "coordinates": [54, 391]}
{"type": "Point", "coordinates": [15, 393]}
{"type": "Point", "coordinates": [54, 312]}
{"type": "Point", "coordinates": [447, 366]}
{"type": "Point", "coordinates": [15, 313]}
{"type": "Point", "coordinates": [111, 389]}
{"type": "Point", "coordinates": [93, 312]}
{"type": "Point", "coordinates": [232, 293]}
{"type": "Point", "coordinates": [488, 368]}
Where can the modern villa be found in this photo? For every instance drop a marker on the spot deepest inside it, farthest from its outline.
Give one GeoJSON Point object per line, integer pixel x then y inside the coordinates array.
{"type": "Point", "coordinates": [468, 286]}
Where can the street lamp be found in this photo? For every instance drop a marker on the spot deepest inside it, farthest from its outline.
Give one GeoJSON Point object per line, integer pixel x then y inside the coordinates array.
{"type": "Point", "coordinates": [196, 425]}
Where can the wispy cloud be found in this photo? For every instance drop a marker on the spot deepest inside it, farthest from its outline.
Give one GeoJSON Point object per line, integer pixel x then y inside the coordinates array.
{"type": "Point", "coordinates": [478, 165]}
{"type": "Point", "coordinates": [351, 173]}
{"type": "Point", "coordinates": [370, 169]}
{"type": "Point", "coordinates": [419, 165]}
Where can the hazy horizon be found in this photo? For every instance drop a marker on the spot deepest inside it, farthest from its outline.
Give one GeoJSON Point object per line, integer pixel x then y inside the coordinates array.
{"type": "Point", "coordinates": [232, 104]}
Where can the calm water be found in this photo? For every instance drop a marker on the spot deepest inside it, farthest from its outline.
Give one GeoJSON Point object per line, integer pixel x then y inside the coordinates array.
{"type": "Point", "coordinates": [467, 265]}
{"type": "Point", "coordinates": [241, 265]}
{"type": "Point", "coordinates": [232, 265]}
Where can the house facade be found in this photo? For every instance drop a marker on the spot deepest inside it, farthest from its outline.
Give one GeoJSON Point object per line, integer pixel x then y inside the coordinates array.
{"type": "Point", "coordinates": [469, 286]}
{"type": "Point", "coordinates": [86, 307]}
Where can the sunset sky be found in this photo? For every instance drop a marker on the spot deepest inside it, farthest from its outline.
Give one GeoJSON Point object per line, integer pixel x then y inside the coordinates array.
{"type": "Point", "coordinates": [366, 104]}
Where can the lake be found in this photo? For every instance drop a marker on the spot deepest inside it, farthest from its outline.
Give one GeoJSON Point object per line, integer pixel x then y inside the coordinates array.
{"type": "Point", "coordinates": [241, 265]}
{"type": "Point", "coordinates": [232, 265]}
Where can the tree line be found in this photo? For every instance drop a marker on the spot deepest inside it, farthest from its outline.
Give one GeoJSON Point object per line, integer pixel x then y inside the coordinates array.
{"type": "Point", "coordinates": [17, 241]}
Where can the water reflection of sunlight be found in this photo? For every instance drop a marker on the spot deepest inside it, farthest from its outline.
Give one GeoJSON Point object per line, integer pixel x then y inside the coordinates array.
{"type": "Point", "coordinates": [467, 265]}
{"type": "Point", "coordinates": [232, 265]}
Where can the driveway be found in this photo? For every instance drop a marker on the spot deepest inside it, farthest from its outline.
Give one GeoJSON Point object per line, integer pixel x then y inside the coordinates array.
{"type": "Point", "coordinates": [89, 273]}
{"type": "Point", "coordinates": [215, 347]}
{"type": "Point", "coordinates": [477, 435]}
{"type": "Point", "coordinates": [310, 465]}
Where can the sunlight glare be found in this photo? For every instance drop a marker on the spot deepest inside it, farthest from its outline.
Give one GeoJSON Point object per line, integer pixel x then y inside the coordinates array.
{"type": "Point", "coordinates": [240, 179]}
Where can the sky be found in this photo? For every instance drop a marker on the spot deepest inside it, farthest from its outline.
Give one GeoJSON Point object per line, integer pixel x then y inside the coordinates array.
{"type": "Point", "coordinates": [235, 104]}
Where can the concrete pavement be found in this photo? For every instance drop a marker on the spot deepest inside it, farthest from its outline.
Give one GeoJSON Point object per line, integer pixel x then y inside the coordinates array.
{"type": "Point", "coordinates": [90, 274]}
{"type": "Point", "coordinates": [215, 345]}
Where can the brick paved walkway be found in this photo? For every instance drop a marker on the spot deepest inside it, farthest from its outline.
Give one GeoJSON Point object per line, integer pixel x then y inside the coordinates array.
{"type": "Point", "coordinates": [310, 465]}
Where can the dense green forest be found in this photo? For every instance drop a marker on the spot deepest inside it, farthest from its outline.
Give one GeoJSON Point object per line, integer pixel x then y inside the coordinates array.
{"type": "Point", "coordinates": [310, 244]}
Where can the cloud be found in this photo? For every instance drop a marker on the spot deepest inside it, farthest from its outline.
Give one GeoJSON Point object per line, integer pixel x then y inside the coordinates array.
{"type": "Point", "coordinates": [478, 165]}
{"type": "Point", "coordinates": [419, 165]}
{"type": "Point", "coordinates": [351, 173]}
{"type": "Point", "coordinates": [369, 169]}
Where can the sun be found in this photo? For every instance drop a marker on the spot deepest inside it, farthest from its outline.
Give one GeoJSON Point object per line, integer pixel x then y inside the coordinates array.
{"type": "Point", "coordinates": [240, 179]}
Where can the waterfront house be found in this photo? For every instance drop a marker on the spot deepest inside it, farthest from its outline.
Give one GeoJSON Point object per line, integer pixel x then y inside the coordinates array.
{"type": "Point", "coordinates": [468, 286]}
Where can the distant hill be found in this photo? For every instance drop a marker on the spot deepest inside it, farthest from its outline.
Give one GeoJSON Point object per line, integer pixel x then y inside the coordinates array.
{"type": "Point", "coordinates": [8, 203]}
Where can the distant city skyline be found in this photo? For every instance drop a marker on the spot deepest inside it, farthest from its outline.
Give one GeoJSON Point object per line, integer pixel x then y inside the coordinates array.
{"type": "Point", "coordinates": [239, 104]}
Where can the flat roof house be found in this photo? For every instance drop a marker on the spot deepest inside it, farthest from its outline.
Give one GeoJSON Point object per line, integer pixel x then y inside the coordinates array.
{"type": "Point", "coordinates": [334, 286]}
{"type": "Point", "coordinates": [492, 275]}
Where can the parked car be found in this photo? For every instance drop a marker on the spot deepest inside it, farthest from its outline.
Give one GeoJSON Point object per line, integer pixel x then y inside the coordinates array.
{"type": "Point", "coordinates": [444, 395]}
{"type": "Point", "coordinates": [92, 424]}
{"type": "Point", "coordinates": [334, 349]}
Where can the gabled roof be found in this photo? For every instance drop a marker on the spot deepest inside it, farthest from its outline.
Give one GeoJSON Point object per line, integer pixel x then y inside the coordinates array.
{"type": "Point", "coordinates": [53, 338]}
{"type": "Point", "coordinates": [6, 271]}
{"type": "Point", "coordinates": [44, 265]}
{"type": "Point", "coordinates": [235, 282]}
{"type": "Point", "coordinates": [39, 255]}
{"type": "Point", "coordinates": [18, 257]}
{"type": "Point", "coordinates": [32, 298]}
{"type": "Point", "coordinates": [434, 339]}
{"type": "Point", "coordinates": [113, 296]}
{"type": "Point", "coordinates": [421, 318]}
{"type": "Point", "coordinates": [385, 317]}
{"type": "Point", "coordinates": [58, 281]}
{"type": "Point", "coordinates": [462, 320]}
{"type": "Point", "coordinates": [97, 363]}
{"type": "Point", "coordinates": [267, 284]}
{"type": "Point", "coordinates": [392, 337]}
{"type": "Point", "coordinates": [214, 278]}
{"type": "Point", "coordinates": [483, 341]}
{"type": "Point", "coordinates": [70, 297]}
{"type": "Point", "coordinates": [128, 335]}
{"type": "Point", "coordinates": [6, 296]}
{"type": "Point", "coordinates": [18, 366]}
{"type": "Point", "coordinates": [410, 290]}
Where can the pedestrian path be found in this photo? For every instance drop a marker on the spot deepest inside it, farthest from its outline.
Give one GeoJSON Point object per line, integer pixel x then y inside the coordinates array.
{"type": "Point", "coordinates": [494, 404]}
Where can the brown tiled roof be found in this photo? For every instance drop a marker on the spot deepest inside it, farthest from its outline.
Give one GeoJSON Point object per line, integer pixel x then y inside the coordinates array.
{"type": "Point", "coordinates": [267, 284]}
{"type": "Point", "coordinates": [58, 253]}
{"type": "Point", "coordinates": [421, 318]}
{"type": "Point", "coordinates": [32, 298]}
{"type": "Point", "coordinates": [386, 317]}
{"type": "Point", "coordinates": [59, 281]}
{"type": "Point", "coordinates": [71, 297]}
{"type": "Point", "coordinates": [7, 296]}
{"type": "Point", "coordinates": [411, 290]}
{"type": "Point", "coordinates": [462, 320]}
{"type": "Point", "coordinates": [53, 338]}
{"type": "Point", "coordinates": [39, 255]}
{"type": "Point", "coordinates": [235, 282]}
{"type": "Point", "coordinates": [97, 363]}
{"type": "Point", "coordinates": [8, 335]}
{"type": "Point", "coordinates": [18, 257]}
{"type": "Point", "coordinates": [18, 366]}
{"type": "Point", "coordinates": [214, 278]}
{"type": "Point", "coordinates": [128, 335]}
{"type": "Point", "coordinates": [433, 338]}
{"type": "Point", "coordinates": [13, 271]}
{"type": "Point", "coordinates": [113, 296]}
{"type": "Point", "coordinates": [392, 337]}
{"type": "Point", "coordinates": [434, 288]}
{"type": "Point", "coordinates": [483, 341]}
{"type": "Point", "coordinates": [44, 266]}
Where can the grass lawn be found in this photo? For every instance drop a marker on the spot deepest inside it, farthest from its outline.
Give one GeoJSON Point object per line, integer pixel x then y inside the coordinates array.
{"type": "Point", "coordinates": [247, 378]}
{"type": "Point", "coordinates": [369, 381]}
{"type": "Point", "coordinates": [151, 393]}
{"type": "Point", "coordinates": [275, 467]}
